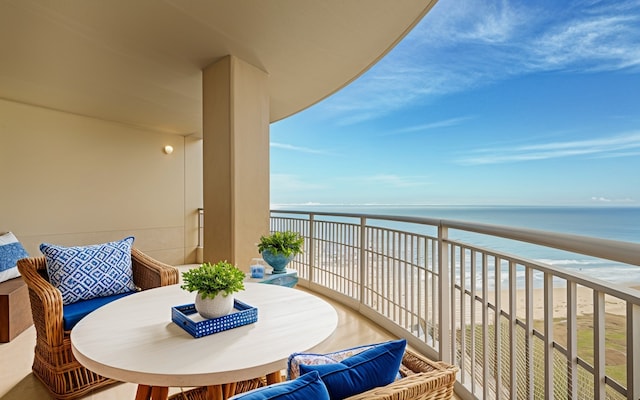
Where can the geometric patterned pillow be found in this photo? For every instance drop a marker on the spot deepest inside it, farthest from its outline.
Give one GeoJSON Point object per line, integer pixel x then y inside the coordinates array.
{"type": "Point", "coordinates": [87, 272]}
{"type": "Point", "coordinates": [295, 359]}
{"type": "Point", "coordinates": [11, 251]}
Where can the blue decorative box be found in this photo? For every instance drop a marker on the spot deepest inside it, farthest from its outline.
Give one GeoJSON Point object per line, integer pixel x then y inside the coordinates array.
{"type": "Point", "coordinates": [243, 314]}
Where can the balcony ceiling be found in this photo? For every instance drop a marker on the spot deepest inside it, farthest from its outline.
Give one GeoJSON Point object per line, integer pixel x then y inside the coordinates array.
{"type": "Point", "coordinates": [139, 61]}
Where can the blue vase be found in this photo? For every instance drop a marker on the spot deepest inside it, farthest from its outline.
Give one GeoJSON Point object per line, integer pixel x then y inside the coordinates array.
{"type": "Point", "coordinates": [277, 261]}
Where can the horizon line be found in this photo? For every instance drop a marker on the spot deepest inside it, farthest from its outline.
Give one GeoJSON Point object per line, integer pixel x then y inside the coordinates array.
{"type": "Point", "coordinates": [316, 204]}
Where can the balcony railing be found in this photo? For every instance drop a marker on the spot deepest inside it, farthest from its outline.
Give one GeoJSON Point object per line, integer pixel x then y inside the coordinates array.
{"type": "Point", "coordinates": [516, 327]}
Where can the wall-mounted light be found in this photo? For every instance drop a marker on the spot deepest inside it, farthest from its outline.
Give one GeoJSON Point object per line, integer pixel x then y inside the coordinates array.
{"type": "Point", "coordinates": [168, 149]}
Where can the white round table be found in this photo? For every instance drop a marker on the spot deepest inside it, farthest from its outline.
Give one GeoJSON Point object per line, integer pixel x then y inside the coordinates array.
{"type": "Point", "coordinates": [134, 340]}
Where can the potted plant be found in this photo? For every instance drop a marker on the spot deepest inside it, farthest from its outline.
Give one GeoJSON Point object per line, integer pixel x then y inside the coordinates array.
{"type": "Point", "coordinates": [215, 284]}
{"type": "Point", "coordinates": [279, 248]}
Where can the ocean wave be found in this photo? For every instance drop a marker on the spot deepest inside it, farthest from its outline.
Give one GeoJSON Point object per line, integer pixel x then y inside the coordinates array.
{"type": "Point", "coordinates": [606, 272]}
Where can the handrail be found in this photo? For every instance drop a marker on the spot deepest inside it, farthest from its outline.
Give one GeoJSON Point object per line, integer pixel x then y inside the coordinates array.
{"type": "Point", "coordinates": [624, 252]}
{"type": "Point", "coordinates": [458, 301]}
{"type": "Point", "coordinates": [200, 227]}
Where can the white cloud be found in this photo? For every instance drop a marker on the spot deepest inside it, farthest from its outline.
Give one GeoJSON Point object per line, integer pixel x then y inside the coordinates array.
{"type": "Point", "coordinates": [612, 146]}
{"type": "Point", "coordinates": [463, 44]}
{"type": "Point", "coordinates": [432, 125]}
{"type": "Point", "coordinates": [600, 199]}
{"type": "Point", "coordinates": [291, 147]}
{"type": "Point", "coordinates": [487, 22]}
{"type": "Point", "coordinates": [618, 154]}
{"type": "Point", "coordinates": [594, 43]}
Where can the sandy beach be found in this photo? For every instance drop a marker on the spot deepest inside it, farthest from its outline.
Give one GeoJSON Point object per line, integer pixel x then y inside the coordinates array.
{"type": "Point", "coordinates": [584, 302]}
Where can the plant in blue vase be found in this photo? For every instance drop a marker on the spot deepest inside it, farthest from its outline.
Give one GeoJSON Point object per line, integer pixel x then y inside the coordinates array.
{"type": "Point", "coordinates": [279, 248]}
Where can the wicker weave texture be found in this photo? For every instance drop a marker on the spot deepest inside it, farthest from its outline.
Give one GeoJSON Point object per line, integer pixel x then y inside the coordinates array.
{"type": "Point", "coordinates": [423, 379]}
{"type": "Point", "coordinates": [228, 390]}
{"type": "Point", "coordinates": [54, 363]}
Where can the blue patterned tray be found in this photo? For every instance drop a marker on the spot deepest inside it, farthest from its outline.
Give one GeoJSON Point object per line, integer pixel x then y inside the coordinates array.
{"type": "Point", "coordinates": [242, 315]}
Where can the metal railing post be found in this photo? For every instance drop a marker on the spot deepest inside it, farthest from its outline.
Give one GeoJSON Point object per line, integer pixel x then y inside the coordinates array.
{"type": "Point", "coordinates": [633, 351]}
{"type": "Point", "coordinates": [312, 247]}
{"type": "Point", "coordinates": [200, 225]}
{"type": "Point", "coordinates": [548, 336]}
{"type": "Point", "coordinates": [444, 296]}
{"type": "Point", "coordinates": [363, 224]}
{"type": "Point", "coordinates": [200, 247]}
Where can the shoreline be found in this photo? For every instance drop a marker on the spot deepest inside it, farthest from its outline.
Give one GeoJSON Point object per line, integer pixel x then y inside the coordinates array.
{"type": "Point", "coordinates": [584, 302]}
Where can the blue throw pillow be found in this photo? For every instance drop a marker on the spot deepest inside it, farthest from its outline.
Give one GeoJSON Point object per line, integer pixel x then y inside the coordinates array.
{"type": "Point", "coordinates": [295, 359]}
{"type": "Point", "coordinates": [87, 272]}
{"type": "Point", "coordinates": [372, 368]}
{"type": "Point", "coordinates": [306, 387]}
{"type": "Point", "coordinates": [11, 251]}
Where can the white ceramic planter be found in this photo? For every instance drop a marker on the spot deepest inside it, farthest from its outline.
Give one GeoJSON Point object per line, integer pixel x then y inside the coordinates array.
{"type": "Point", "coordinates": [214, 308]}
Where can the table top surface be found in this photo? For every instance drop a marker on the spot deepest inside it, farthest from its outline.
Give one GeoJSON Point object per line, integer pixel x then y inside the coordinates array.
{"type": "Point", "coordinates": [134, 340]}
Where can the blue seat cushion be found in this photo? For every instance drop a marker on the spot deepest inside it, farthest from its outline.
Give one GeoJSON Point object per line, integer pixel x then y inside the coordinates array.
{"type": "Point", "coordinates": [306, 387]}
{"type": "Point", "coordinates": [74, 312]}
{"type": "Point", "coordinates": [371, 368]}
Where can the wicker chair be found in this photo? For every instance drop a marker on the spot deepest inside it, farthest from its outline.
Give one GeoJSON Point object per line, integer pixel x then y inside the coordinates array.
{"type": "Point", "coordinates": [54, 363]}
{"type": "Point", "coordinates": [422, 379]}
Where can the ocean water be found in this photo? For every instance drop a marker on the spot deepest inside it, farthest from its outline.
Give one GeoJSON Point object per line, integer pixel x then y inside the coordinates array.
{"type": "Point", "coordinates": [614, 223]}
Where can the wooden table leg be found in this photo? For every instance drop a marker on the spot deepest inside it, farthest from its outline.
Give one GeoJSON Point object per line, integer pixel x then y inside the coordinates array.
{"type": "Point", "coordinates": [229, 389]}
{"type": "Point", "coordinates": [143, 392]}
{"type": "Point", "coordinates": [159, 393]}
{"type": "Point", "coordinates": [146, 392]}
{"type": "Point", "coordinates": [274, 377]}
{"type": "Point", "coordinates": [214, 392]}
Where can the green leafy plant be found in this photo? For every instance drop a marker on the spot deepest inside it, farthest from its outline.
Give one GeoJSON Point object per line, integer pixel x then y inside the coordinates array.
{"type": "Point", "coordinates": [210, 279]}
{"type": "Point", "coordinates": [286, 243]}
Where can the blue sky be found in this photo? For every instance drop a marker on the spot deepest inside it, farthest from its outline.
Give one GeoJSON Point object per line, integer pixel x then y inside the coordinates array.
{"type": "Point", "coordinates": [484, 102]}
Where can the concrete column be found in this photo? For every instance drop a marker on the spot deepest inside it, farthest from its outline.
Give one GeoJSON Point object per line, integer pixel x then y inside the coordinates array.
{"type": "Point", "coordinates": [235, 160]}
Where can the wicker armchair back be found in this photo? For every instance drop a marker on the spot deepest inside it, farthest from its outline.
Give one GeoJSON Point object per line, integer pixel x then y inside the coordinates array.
{"type": "Point", "coordinates": [54, 363]}
{"type": "Point", "coordinates": [423, 379]}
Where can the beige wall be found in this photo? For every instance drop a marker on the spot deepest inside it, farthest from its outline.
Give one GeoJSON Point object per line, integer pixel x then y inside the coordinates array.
{"type": "Point", "coordinates": [72, 180]}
